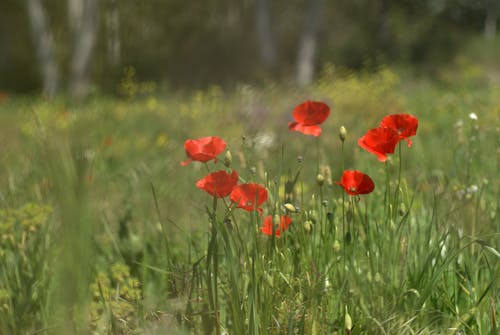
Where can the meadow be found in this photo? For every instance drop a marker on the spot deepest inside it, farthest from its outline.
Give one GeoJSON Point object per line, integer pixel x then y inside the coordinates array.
{"type": "Point", "coordinates": [103, 231]}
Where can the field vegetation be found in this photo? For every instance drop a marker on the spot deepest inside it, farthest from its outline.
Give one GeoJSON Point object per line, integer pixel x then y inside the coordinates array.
{"type": "Point", "coordinates": [102, 231]}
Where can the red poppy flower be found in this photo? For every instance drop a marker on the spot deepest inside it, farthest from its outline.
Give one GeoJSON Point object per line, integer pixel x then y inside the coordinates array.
{"type": "Point", "coordinates": [249, 196]}
{"type": "Point", "coordinates": [405, 125]}
{"type": "Point", "coordinates": [380, 142]}
{"type": "Point", "coordinates": [203, 149]}
{"type": "Point", "coordinates": [355, 182]}
{"type": "Point", "coordinates": [218, 184]}
{"type": "Point", "coordinates": [308, 115]}
{"type": "Point", "coordinates": [268, 226]}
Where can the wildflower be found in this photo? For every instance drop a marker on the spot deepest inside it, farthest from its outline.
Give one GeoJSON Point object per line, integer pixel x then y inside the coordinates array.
{"type": "Point", "coordinates": [249, 196]}
{"type": "Point", "coordinates": [4, 96]}
{"type": "Point", "coordinates": [218, 184]}
{"type": "Point", "coordinates": [203, 149]}
{"type": "Point", "coordinates": [405, 124]}
{"type": "Point", "coordinates": [355, 182]}
{"type": "Point", "coordinates": [268, 227]}
{"type": "Point", "coordinates": [473, 116]}
{"type": "Point", "coordinates": [380, 142]}
{"type": "Point", "coordinates": [308, 115]}
{"type": "Point", "coordinates": [108, 141]}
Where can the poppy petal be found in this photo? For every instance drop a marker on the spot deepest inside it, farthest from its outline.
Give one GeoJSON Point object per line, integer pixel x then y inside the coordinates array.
{"type": "Point", "coordinates": [311, 112]}
{"type": "Point", "coordinates": [307, 130]}
{"type": "Point", "coordinates": [380, 142]}
{"type": "Point", "coordinates": [269, 225]}
{"type": "Point", "coordinates": [203, 149]}
{"type": "Point", "coordinates": [218, 184]}
{"type": "Point", "coordinates": [404, 124]}
{"type": "Point", "coordinates": [249, 196]}
{"type": "Point", "coordinates": [355, 182]}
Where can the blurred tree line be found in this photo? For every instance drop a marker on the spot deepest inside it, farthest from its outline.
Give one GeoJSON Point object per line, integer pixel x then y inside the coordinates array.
{"type": "Point", "coordinates": [73, 45]}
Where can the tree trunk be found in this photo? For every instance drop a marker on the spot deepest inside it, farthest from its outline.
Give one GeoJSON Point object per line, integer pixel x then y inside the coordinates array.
{"type": "Point", "coordinates": [384, 27]}
{"type": "Point", "coordinates": [308, 43]}
{"type": "Point", "coordinates": [44, 46]}
{"type": "Point", "coordinates": [490, 22]}
{"type": "Point", "coordinates": [83, 22]}
{"type": "Point", "coordinates": [113, 41]}
{"type": "Point", "coordinates": [267, 46]}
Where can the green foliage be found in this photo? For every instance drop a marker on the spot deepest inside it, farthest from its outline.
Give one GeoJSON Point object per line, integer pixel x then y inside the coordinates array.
{"type": "Point", "coordinates": [116, 298]}
{"type": "Point", "coordinates": [164, 257]}
{"type": "Point", "coordinates": [24, 266]}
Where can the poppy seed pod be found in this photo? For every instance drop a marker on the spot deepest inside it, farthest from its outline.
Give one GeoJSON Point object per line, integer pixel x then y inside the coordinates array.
{"type": "Point", "coordinates": [342, 133]}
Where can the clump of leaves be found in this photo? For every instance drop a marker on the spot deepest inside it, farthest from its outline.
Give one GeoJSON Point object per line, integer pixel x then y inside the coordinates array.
{"type": "Point", "coordinates": [24, 245]}
{"type": "Point", "coordinates": [115, 298]}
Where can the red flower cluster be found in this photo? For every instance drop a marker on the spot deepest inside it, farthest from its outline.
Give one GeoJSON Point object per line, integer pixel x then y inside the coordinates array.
{"type": "Point", "coordinates": [220, 184]}
{"type": "Point", "coordinates": [203, 149]}
{"type": "Point", "coordinates": [308, 115]}
{"type": "Point", "coordinates": [355, 182]}
{"type": "Point", "coordinates": [392, 129]}
{"type": "Point", "coordinates": [268, 226]}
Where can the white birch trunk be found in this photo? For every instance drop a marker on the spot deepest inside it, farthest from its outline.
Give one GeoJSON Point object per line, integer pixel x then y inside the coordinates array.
{"type": "Point", "coordinates": [113, 41]}
{"type": "Point", "coordinates": [308, 44]}
{"type": "Point", "coordinates": [44, 46]}
{"type": "Point", "coordinates": [490, 22]}
{"type": "Point", "coordinates": [267, 46]}
{"type": "Point", "coordinates": [83, 21]}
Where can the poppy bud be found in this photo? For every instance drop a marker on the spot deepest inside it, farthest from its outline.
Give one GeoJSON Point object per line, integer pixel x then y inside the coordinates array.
{"type": "Point", "coordinates": [308, 226]}
{"type": "Point", "coordinates": [320, 179]}
{"type": "Point", "coordinates": [336, 246]}
{"type": "Point", "coordinates": [289, 207]}
{"type": "Point", "coordinates": [228, 158]}
{"type": "Point", "coordinates": [348, 321]}
{"type": "Point", "coordinates": [342, 133]}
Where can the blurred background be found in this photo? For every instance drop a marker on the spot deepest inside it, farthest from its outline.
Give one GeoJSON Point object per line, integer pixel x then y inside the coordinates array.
{"type": "Point", "coordinates": [79, 47]}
